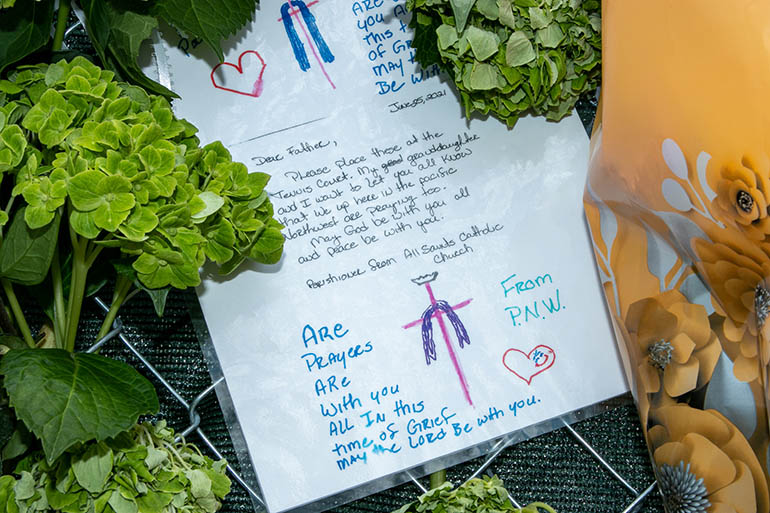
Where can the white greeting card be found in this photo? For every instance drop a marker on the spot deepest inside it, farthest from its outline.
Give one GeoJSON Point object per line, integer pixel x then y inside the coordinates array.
{"type": "Point", "coordinates": [437, 288]}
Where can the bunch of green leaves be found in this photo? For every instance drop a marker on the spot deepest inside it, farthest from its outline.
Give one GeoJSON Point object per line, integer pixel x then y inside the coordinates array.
{"type": "Point", "coordinates": [142, 470]}
{"type": "Point", "coordinates": [476, 495]}
{"type": "Point", "coordinates": [114, 168]}
{"type": "Point", "coordinates": [93, 171]}
{"type": "Point", "coordinates": [118, 28]}
{"type": "Point", "coordinates": [509, 57]}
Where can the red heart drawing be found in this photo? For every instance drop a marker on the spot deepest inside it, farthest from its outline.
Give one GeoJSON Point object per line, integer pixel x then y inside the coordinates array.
{"type": "Point", "coordinates": [528, 365]}
{"type": "Point", "coordinates": [240, 81]}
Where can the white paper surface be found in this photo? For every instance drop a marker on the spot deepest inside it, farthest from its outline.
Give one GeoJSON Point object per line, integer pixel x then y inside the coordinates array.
{"type": "Point", "coordinates": [381, 181]}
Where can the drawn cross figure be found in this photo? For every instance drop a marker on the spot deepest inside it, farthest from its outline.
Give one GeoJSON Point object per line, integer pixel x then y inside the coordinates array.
{"type": "Point", "coordinates": [437, 310]}
{"type": "Point", "coordinates": [308, 20]}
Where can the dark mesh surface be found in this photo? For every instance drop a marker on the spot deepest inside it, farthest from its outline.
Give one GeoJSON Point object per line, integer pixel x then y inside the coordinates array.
{"type": "Point", "coordinates": [552, 468]}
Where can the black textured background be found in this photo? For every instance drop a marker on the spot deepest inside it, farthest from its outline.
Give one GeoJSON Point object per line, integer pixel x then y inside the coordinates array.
{"type": "Point", "coordinates": [552, 468]}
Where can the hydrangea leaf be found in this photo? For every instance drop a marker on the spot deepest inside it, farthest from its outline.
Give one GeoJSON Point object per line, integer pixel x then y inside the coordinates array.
{"type": "Point", "coordinates": [518, 50]}
{"type": "Point", "coordinates": [212, 22]}
{"type": "Point", "coordinates": [220, 241]}
{"type": "Point", "coordinates": [12, 146]}
{"type": "Point", "coordinates": [212, 201]}
{"type": "Point", "coordinates": [83, 190]}
{"type": "Point", "coordinates": [484, 77]}
{"type": "Point", "coordinates": [550, 36]}
{"type": "Point", "coordinates": [84, 225]}
{"type": "Point", "coordinates": [141, 221]}
{"type": "Point", "coordinates": [538, 18]}
{"type": "Point", "coordinates": [24, 28]}
{"type": "Point", "coordinates": [447, 36]}
{"type": "Point", "coordinates": [85, 397]}
{"type": "Point", "coordinates": [461, 10]}
{"type": "Point", "coordinates": [93, 468]}
{"type": "Point", "coordinates": [483, 43]}
{"type": "Point", "coordinates": [488, 8]}
{"type": "Point", "coordinates": [26, 253]}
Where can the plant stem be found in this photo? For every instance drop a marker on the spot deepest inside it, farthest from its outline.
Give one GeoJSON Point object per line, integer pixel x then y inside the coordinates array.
{"type": "Point", "coordinates": [123, 286]}
{"type": "Point", "coordinates": [61, 24]}
{"type": "Point", "coordinates": [77, 290]}
{"type": "Point", "coordinates": [437, 479]}
{"type": "Point", "coordinates": [59, 310]}
{"type": "Point", "coordinates": [17, 313]}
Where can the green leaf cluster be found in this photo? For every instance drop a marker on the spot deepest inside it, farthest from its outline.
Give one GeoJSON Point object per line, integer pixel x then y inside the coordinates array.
{"type": "Point", "coordinates": [118, 28]}
{"type": "Point", "coordinates": [509, 57]}
{"type": "Point", "coordinates": [124, 172]}
{"type": "Point", "coordinates": [482, 495]}
{"type": "Point", "coordinates": [139, 471]}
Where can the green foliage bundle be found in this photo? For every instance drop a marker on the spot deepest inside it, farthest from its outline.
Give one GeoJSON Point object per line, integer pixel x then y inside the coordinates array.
{"type": "Point", "coordinates": [95, 175]}
{"type": "Point", "coordinates": [116, 169]}
{"type": "Point", "coordinates": [142, 470]}
{"type": "Point", "coordinates": [118, 28]}
{"type": "Point", "coordinates": [509, 57]}
{"type": "Point", "coordinates": [477, 495]}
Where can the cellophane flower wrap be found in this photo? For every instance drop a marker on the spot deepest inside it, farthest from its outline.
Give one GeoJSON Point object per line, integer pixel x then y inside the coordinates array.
{"type": "Point", "coordinates": [678, 202]}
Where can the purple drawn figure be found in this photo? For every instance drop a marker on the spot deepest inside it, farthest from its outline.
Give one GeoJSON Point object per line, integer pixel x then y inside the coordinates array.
{"type": "Point", "coordinates": [437, 310]}
{"type": "Point", "coordinates": [312, 35]}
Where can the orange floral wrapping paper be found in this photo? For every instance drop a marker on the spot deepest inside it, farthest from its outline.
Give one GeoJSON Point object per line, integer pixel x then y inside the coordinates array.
{"type": "Point", "coordinates": [678, 202]}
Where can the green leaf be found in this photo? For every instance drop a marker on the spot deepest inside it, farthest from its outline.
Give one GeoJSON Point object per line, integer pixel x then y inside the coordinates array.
{"type": "Point", "coordinates": [505, 14]}
{"type": "Point", "coordinates": [122, 505]}
{"type": "Point", "coordinates": [93, 468]}
{"type": "Point", "coordinates": [128, 30]}
{"type": "Point", "coordinates": [97, 16]}
{"type": "Point", "coordinates": [19, 443]}
{"type": "Point", "coordinates": [213, 203]}
{"type": "Point", "coordinates": [488, 8]}
{"type": "Point", "coordinates": [483, 43]}
{"type": "Point", "coordinates": [83, 190]}
{"type": "Point", "coordinates": [66, 398]}
{"type": "Point", "coordinates": [210, 21]}
{"type": "Point", "coordinates": [25, 486]}
{"type": "Point", "coordinates": [461, 10]}
{"type": "Point", "coordinates": [519, 50]}
{"type": "Point", "coordinates": [158, 297]}
{"type": "Point", "coordinates": [153, 502]}
{"type": "Point", "coordinates": [200, 484]}
{"type": "Point", "coordinates": [7, 495]}
{"type": "Point", "coordinates": [24, 28]}
{"type": "Point", "coordinates": [220, 483]}
{"type": "Point", "coordinates": [484, 77]}
{"type": "Point", "coordinates": [550, 36]}
{"type": "Point", "coordinates": [447, 36]}
{"type": "Point", "coordinates": [538, 18]}
{"type": "Point", "coordinates": [26, 254]}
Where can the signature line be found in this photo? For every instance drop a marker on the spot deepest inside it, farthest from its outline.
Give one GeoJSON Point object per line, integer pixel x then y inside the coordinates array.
{"type": "Point", "coordinates": [279, 131]}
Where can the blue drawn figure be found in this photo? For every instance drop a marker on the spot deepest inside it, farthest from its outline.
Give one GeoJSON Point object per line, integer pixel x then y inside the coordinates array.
{"type": "Point", "coordinates": [297, 45]}
{"type": "Point", "coordinates": [428, 344]}
{"type": "Point", "coordinates": [437, 310]}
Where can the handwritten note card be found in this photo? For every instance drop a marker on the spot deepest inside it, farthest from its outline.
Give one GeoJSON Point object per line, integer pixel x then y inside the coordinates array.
{"type": "Point", "coordinates": [437, 288]}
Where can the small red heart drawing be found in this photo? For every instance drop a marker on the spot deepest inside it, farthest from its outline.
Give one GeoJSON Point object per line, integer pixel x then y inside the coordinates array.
{"type": "Point", "coordinates": [528, 365]}
{"type": "Point", "coordinates": [240, 81]}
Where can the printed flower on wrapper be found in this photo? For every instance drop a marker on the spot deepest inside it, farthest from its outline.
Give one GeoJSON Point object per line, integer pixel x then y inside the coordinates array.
{"type": "Point", "coordinates": [705, 463]}
{"type": "Point", "coordinates": [736, 270]}
{"type": "Point", "coordinates": [677, 344]}
{"type": "Point", "coordinates": [743, 195]}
